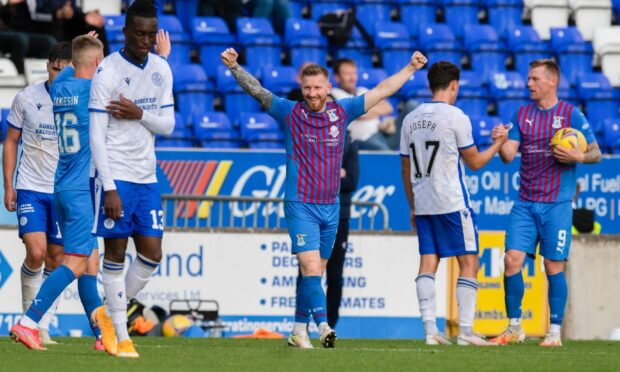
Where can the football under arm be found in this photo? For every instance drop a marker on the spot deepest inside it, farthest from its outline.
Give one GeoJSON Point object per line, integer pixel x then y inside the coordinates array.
{"type": "Point", "coordinates": [159, 124]}
{"type": "Point", "coordinates": [593, 153]}
{"type": "Point", "coordinates": [509, 150]}
{"type": "Point", "coordinates": [98, 132]}
{"type": "Point", "coordinates": [406, 175]}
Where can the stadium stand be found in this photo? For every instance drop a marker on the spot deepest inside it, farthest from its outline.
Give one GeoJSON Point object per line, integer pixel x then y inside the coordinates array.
{"type": "Point", "coordinates": [259, 130]}
{"type": "Point", "coordinates": [510, 92]}
{"type": "Point", "coordinates": [304, 42]}
{"type": "Point", "coordinates": [572, 51]}
{"type": "Point", "coordinates": [211, 35]}
{"type": "Point", "coordinates": [213, 130]}
{"type": "Point", "coordinates": [193, 91]}
{"type": "Point", "coordinates": [590, 15]}
{"type": "Point", "coordinates": [487, 54]}
{"type": "Point", "coordinates": [526, 46]}
{"type": "Point", "coordinates": [546, 14]}
{"type": "Point", "coordinates": [459, 13]}
{"type": "Point", "coordinates": [607, 48]}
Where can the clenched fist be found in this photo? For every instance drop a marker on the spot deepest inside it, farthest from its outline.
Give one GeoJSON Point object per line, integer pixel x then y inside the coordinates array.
{"type": "Point", "coordinates": [229, 57]}
{"type": "Point", "coordinates": [418, 60]}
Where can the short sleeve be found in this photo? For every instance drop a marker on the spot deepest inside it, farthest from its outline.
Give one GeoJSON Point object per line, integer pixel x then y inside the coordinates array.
{"type": "Point", "coordinates": [280, 108]}
{"type": "Point", "coordinates": [16, 116]}
{"type": "Point", "coordinates": [404, 139]}
{"type": "Point", "coordinates": [514, 132]}
{"type": "Point", "coordinates": [100, 93]}
{"type": "Point", "coordinates": [579, 122]}
{"type": "Point", "coordinates": [463, 132]}
{"type": "Point", "coordinates": [353, 106]}
{"type": "Point", "coordinates": [166, 98]}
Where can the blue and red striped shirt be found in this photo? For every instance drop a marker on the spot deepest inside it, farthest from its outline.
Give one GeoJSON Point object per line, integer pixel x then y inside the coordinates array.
{"type": "Point", "coordinates": [543, 178]}
{"type": "Point", "coordinates": [314, 144]}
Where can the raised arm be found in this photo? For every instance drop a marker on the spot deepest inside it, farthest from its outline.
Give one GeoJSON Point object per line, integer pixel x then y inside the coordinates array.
{"type": "Point", "coordinates": [392, 84]}
{"type": "Point", "coordinates": [248, 82]}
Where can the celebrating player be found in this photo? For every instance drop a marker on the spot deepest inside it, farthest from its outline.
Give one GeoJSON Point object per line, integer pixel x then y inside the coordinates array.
{"type": "Point", "coordinates": [31, 120]}
{"type": "Point", "coordinates": [434, 138]}
{"type": "Point", "coordinates": [543, 213]}
{"type": "Point", "coordinates": [72, 197]}
{"type": "Point", "coordinates": [314, 136]}
{"type": "Point", "coordinates": [131, 100]}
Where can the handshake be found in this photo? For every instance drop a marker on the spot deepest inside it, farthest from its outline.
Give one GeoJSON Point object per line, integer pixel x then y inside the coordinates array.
{"type": "Point", "coordinates": [500, 133]}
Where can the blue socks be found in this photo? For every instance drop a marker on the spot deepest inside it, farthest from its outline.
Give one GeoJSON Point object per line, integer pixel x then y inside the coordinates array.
{"type": "Point", "coordinates": [311, 300]}
{"type": "Point", "coordinates": [52, 287]}
{"type": "Point", "coordinates": [558, 293]}
{"type": "Point", "coordinates": [514, 289]}
{"type": "Point", "coordinates": [87, 288]}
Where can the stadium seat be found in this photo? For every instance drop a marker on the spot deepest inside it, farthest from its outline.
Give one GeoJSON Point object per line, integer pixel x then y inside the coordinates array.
{"type": "Point", "coordinates": [417, 12]}
{"type": "Point", "coordinates": [370, 77]}
{"type": "Point", "coordinates": [546, 14]}
{"type": "Point", "coordinates": [504, 15]}
{"type": "Point", "coordinates": [260, 130]}
{"type": "Point", "coordinates": [590, 15]}
{"type": "Point", "coordinates": [611, 135]}
{"type": "Point", "coordinates": [356, 49]}
{"type": "Point", "coordinates": [416, 87]}
{"type": "Point", "coordinates": [213, 130]}
{"type": "Point", "coordinates": [599, 97]}
{"type": "Point", "coordinates": [212, 36]}
{"type": "Point", "coordinates": [297, 7]}
{"type": "Point", "coordinates": [509, 91]}
{"type": "Point", "coordinates": [320, 8]}
{"type": "Point", "coordinates": [481, 129]}
{"type": "Point", "coordinates": [392, 39]}
{"type": "Point", "coordinates": [474, 98]}
{"type": "Point", "coordinates": [607, 47]}
{"type": "Point", "coordinates": [573, 52]}
{"type": "Point", "coordinates": [180, 40]}
{"type": "Point", "coordinates": [185, 10]}
{"type": "Point", "coordinates": [10, 82]}
{"type": "Point", "coordinates": [193, 91]}
{"type": "Point", "coordinates": [439, 43]}
{"type": "Point", "coordinates": [615, 5]}
{"type": "Point", "coordinates": [261, 45]}
{"type": "Point", "coordinates": [280, 80]}
{"type": "Point", "coordinates": [567, 92]}
{"type": "Point", "coordinates": [114, 32]}
{"type": "Point", "coordinates": [181, 136]}
{"type": "Point", "coordinates": [236, 100]}
{"type": "Point", "coordinates": [459, 13]}
{"type": "Point", "coordinates": [305, 42]}
{"type": "Point", "coordinates": [371, 12]}
{"type": "Point", "coordinates": [35, 70]}
{"type": "Point", "coordinates": [105, 8]}
{"type": "Point", "coordinates": [487, 54]}
{"type": "Point", "coordinates": [526, 46]}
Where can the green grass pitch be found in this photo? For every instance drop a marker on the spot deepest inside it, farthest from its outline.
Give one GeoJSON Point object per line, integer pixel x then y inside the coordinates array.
{"type": "Point", "coordinates": [184, 354]}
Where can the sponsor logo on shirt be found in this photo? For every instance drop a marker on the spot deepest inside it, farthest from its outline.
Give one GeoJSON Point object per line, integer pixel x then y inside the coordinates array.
{"type": "Point", "coordinates": [334, 131]}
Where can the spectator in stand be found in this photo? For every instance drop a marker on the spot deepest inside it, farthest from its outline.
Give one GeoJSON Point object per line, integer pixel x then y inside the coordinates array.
{"type": "Point", "coordinates": [276, 10]}
{"type": "Point", "coordinates": [370, 130]}
{"type": "Point", "coordinates": [229, 10]}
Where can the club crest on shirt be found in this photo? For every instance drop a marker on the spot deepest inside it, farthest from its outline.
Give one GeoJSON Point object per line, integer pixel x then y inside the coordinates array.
{"type": "Point", "coordinates": [334, 131]}
{"type": "Point", "coordinates": [557, 122]}
{"type": "Point", "coordinates": [332, 115]}
{"type": "Point", "coordinates": [301, 240]}
{"type": "Point", "coordinates": [157, 79]}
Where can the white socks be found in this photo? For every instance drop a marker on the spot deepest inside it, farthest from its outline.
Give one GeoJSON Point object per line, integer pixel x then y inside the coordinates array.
{"type": "Point", "coordinates": [299, 328]}
{"type": "Point", "coordinates": [116, 298]}
{"type": "Point", "coordinates": [466, 292]}
{"type": "Point", "coordinates": [31, 283]}
{"type": "Point", "coordinates": [425, 288]}
{"type": "Point", "coordinates": [139, 274]}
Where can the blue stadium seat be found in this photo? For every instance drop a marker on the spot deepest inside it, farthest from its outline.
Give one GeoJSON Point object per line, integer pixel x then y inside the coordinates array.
{"type": "Point", "coordinates": [392, 39]}
{"type": "Point", "coordinates": [573, 52]}
{"type": "Point", "coordinates": [416, 87]}
{"type": "Point", "coordinates": [180, 40]}
{"type": "Point", "coordinates": [181, 136]}
{"type": "Point", "coordinates": [370, 77]}
{"type": "Point", "coordinates": [305, 42]}
{"type": "Point", "coordinates": [185, 10]}
{"type": "Point", "coordinates": [212, 36]}
{"type": "Point", "coordinates": [193, 90]}
{"type": "Point", "coordinates": [320, 8]}
{"type": "Point", "coordinates": [600, 98]}
{"type": "Point", "coordinates": [487, 53]}
{"type": "Point", "coordinates": [611, 135]}
{"type": "Point", "coordinates": [439, 43]}
{"type": "Point", "coordinates": [504, 15]}
{"type": "Point", "coordinates": [459, 13]}
{"type": "Point", "coordinates": [280, 80]}
{"type": "Point", "coordinates": [474, 98]}
{"type": "Point", "coordinates": [370, 13]}
{"type": "Point", "coordinates": [114, 32]}
{"type": "Point", "coordinates": [481, 129]}
{"type": "Point", "coordinates": [526, 46]}
{"type": "Point", "coordinates": [261, 45]}
{"type": "Point", "coordinates": [260, 130]}
{"type": "Point", "coordinates": [4, 114]}
{"type": "Point", "coordinates": [509, 91]}
{"type": "Point", "coordinates": [567, 92]}
{"type": "Point", "coordinates": [356, 49]}
{"type": "Point", "coordinates": [213, 130]}
{"type": "Point", "coordinates": [417, 12]}
{"type": "Point", "coordinates": [235, 99]}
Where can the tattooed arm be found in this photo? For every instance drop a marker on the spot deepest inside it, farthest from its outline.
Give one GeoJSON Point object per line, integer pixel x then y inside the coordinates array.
{"type": "Point", "coordinates": [248, 82]}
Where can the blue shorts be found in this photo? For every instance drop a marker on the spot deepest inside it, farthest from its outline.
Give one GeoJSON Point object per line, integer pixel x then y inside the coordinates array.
{"type": "Point", "coordinates": [312, 226]}
{"type": "Point", "coordinates": [448, 235]}
{"type": "Point", "coordinates": [36, 213]}
{"type": "Point", "coordinates": [76, 219]}
{"type": "Point", "coordinates": [549, 224]}
{"type": "Point", "coordinates": [143, 213]}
